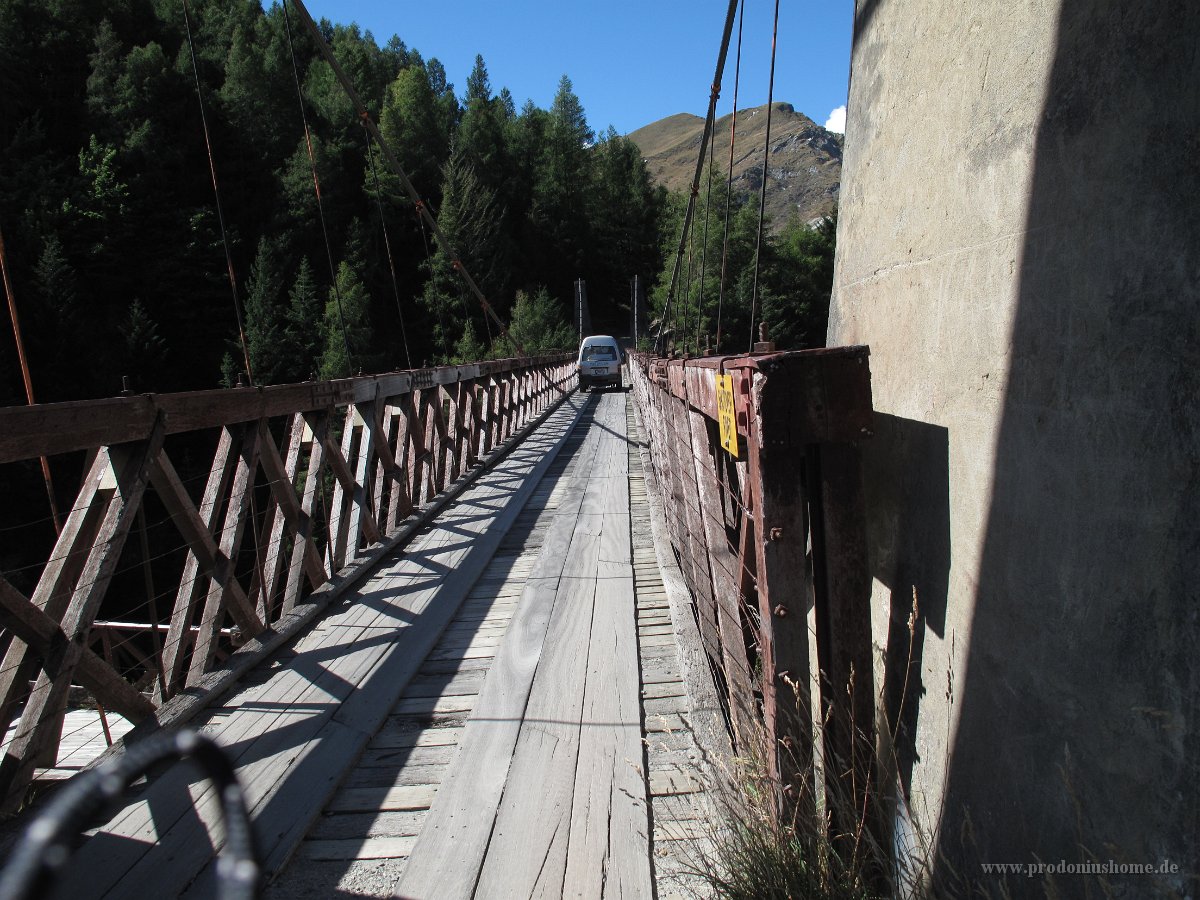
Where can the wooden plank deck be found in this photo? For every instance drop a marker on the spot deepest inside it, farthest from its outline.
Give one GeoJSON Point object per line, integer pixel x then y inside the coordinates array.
{"type": "Point", "coordinates": [308, 714]}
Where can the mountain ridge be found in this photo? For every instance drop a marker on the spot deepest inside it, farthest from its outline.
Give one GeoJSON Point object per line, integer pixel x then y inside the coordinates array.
{"type": "Point", "coordinates": [804, 166]}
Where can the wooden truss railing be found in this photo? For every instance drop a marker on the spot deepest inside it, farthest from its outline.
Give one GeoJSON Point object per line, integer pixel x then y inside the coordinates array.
{"type": "Point", "coordinates": [307, 482]}
{"type": "Point", "coordinates": [771, 543]}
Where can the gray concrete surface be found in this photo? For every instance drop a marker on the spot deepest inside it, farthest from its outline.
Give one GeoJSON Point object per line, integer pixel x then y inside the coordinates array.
{"type": "Point", "coordinates": [1019, 243]}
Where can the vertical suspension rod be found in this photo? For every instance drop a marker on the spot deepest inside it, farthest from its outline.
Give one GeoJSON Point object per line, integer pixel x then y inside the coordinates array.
{"type": "Point", "coordinates": [16, 324]}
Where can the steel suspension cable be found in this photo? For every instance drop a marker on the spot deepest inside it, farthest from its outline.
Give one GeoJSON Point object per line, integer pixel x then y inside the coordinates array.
{"type": "Point", "coordinates": [387, 243]}
{"type": "Point", "coordinates": [681, 308]}
{"type": "Point", "coordinates": [312, 164]}
{"type": "Point", "coordinates": [212, 169]}
{"type": "Point", "coordinates": [398, 170]}
{"type": "Point", "coordinates": [762, 196]}
{"type": "Point", "coordinates": [714, 94]}
{"type": "Point", "coordinates": [28, 379]}
{"type": "Point", "coordinates": [704, 243]}
{"type": "Point", "coordinates": [737, 79]}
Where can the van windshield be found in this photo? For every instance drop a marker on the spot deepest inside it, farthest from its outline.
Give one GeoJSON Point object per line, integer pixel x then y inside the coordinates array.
{"type": "Point", "coordinates": [597, 353]}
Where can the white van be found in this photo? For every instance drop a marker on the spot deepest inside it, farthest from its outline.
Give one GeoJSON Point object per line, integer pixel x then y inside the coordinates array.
{"type": "Point", "coordinates": [599, 362]}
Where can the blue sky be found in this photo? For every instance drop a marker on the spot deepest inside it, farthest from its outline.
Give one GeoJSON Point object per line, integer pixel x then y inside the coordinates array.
{"type": "Point", "coordinates": [631, 62]}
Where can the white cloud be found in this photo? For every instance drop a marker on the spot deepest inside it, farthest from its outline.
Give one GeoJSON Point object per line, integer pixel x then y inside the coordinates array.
{"type": "Point", "coordinates": [837, 120]}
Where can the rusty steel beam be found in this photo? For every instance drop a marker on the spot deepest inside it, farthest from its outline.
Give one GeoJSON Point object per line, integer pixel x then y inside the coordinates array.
{"type": "Point", "coordinates": [801, 416]}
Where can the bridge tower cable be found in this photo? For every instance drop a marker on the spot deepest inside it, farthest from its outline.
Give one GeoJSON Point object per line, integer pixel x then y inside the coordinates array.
{"type": "Point", "coordinates": [312, 164]}
{"type": "Point", "coordinates": [394, 163]}
{"type": "Point", "coordinates": [387, 243]}
{"type": "Point", "coordinates": [712, 146]}
{"type": "Point", "coordinates": [737, 81]}
{"type": "Point", "coordinates": [762, 194]}
{"type": "Point", "coordinates": [714, 94]}
{"type": "Point", "coordinates": [212, 169]}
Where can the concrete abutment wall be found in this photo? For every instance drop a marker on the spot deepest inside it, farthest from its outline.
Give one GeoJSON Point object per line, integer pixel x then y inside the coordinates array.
{"type": "Point", "coordinates": [1019, 243]}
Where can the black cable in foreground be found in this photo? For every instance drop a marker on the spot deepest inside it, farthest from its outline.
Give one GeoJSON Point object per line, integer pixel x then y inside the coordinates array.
{"type": "Point", "coordinates": [46, 845]}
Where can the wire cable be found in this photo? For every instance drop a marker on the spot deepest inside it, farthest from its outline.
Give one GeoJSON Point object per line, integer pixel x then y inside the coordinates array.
{"type": "Point", "coordinates": [737, 80]}
{"type": "Point", "coordinates": [212, 168]}
{"type": "Point", "coordinates": [712, 146]}
{"type": "Point", "coordinates": [713, 96]}
{"type": "Point", "coordinates": [762, 196]}
{"type": "Point", "coordinates": [312, 163]}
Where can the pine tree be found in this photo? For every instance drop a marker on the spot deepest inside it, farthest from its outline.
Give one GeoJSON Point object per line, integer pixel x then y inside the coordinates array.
{"type": "Point", "coordinates": [145, 350]}
{"type": "Point", "coordinates": [470, 219]}
{"type": "Point", "coordinates": [479, 86]}
{"type": "Point", "coordinates": [303, 330]}
{"type": "Point", "coordinates": [349, 325]}
{"type": "Point", "coordinates": [414, 125]}
{"type": "Point", "coordinates": [563, 181]}
{"type": "Point", "coordinates": [266, 316]}
{"type": "Point", "coordinates": [59, 330]}
{"type": "Point", "coordinates": [539, 324]}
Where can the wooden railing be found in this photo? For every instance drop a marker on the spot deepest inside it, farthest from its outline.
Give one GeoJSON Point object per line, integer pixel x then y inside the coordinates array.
{"type": "Point", "coordinates": [770, 538]}
{"type": "Point", "coordinates": [308, 484]}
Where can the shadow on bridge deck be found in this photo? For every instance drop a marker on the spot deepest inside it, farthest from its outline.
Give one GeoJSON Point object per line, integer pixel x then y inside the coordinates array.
{"type": "Point", "coordinates": [467, 723]}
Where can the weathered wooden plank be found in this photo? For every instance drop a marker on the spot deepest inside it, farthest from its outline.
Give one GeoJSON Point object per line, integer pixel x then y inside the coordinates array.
{"type": "Point", "coordinates": [527, 855]}
{"type": "Point", "coordinates": [391, 799]}
{"type": "Point", "coordinates": [264, 583]}
{"type": "Point", "coordinates": [343, 826]}
{"type": "Point", "coordinates": [734, 662]}
{"type": "Point", "coordinates": [209, 557]}
{"type": "Point", "coordinates": [442, 438]}
{"type": "Point", "coordinates": [386, 472]}
{"type": "Point", "coordinates": [400, 503]}
{"type": "Point", "coordinates": [232, 531]}
{"type": "Point", "coordinates": [357, 848]}
{"type": "Point", "coordinates": [451, 847]}
{"type": "Point", "coordinates": [608, 851]}
{"type": "Point", "coordinates": [316, 429]}
{"type": "Point", "coordinates": [343, 491]}
{"type": "Point", "coordinates": [360, 508]}
{"type": "Point", "coordinates": [282, 479]}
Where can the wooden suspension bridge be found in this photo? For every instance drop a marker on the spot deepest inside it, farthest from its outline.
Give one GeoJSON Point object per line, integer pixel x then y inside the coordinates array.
{"type": "Point", "coordinates": [461, 631]}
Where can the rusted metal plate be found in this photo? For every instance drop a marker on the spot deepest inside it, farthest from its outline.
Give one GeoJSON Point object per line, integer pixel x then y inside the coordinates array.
{"type": "Point", "coordinates": [809, 396]}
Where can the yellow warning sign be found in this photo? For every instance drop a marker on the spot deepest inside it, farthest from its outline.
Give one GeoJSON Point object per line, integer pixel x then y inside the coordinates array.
{"type": "Point", "coordinates": [726, 417]}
